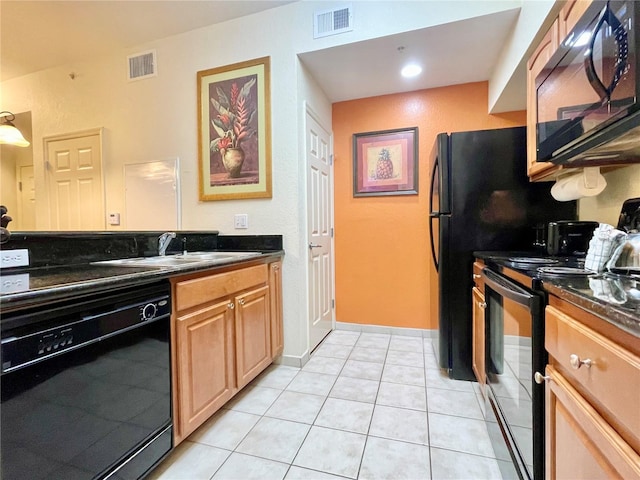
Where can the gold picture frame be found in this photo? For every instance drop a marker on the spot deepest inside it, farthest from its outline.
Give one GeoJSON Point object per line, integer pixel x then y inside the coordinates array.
{"type": "Point", "coordinates": [234, 131]}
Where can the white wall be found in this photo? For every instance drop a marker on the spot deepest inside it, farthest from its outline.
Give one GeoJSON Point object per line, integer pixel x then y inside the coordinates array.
{"type": "Point", "coordinates": [157, 118]}
{"type": "Point", "coordinates": [622, 183]}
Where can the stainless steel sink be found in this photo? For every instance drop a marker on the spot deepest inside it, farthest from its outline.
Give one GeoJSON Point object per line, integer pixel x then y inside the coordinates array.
{"type": "Point", "coordinates": [182, 259]}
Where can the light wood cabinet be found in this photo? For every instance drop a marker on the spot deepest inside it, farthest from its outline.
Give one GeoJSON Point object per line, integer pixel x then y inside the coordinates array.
{"type": "Point", "coordinates": [478, 361]}
{"type": "Point", "coordinates": [478, 325]}
{"type": "Point", "coordinates": [277, 329]}
{"type": "Point", "coordinates": [253, 334]}
{"type": "Point", "coordinates": [221, 339]}
{"type": "Point", "coordinates": [592, 396]}
{"type": "Point", "coordinates": [547, 46]}
{"type": "Point", "coordinates": [205, 364]}
{"type": "Point", "coordinates": [570, 14]}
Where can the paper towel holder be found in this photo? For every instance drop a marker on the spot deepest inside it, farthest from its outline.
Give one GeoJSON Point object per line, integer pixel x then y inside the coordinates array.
{"type": "Point", "coordinates": [587, 182]}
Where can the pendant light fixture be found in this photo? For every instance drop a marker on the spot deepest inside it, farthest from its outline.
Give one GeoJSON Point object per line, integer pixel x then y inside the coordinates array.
{"type": "Point", "coordinates": [9, 134]}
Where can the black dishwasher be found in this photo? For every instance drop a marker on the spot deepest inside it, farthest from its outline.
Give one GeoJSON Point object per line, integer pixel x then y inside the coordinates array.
{"type": "Point", "coordinates": [86, 386]}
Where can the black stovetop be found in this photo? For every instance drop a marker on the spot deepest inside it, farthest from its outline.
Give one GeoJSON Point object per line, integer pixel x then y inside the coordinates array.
{"type": "Point", "coordinates": [611, 296]}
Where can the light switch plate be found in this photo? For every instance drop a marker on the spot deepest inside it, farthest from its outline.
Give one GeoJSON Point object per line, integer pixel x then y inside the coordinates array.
{"type": "Point", "coordinates": [241, 220]}
{"type": "Point", "coordinates": [14, 258]}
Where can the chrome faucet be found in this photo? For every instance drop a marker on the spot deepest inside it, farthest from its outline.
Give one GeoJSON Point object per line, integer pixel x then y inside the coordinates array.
{"type": "Point", "coordinates": [164, 240]}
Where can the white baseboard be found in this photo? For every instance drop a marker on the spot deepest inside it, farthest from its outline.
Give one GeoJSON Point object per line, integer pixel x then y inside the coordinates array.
{"type": "Point", "coordinates": [292, 360]}
{"type": "Point", "coordinates": [409, 332]}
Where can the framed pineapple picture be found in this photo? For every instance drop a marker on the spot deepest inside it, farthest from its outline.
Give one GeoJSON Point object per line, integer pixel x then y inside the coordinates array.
{"type": "Point", "coordinates": [385, 162]}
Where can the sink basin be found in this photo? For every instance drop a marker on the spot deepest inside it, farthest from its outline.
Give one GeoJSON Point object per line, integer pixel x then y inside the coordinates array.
{"type": "Point", "coordinates": [189, 258]}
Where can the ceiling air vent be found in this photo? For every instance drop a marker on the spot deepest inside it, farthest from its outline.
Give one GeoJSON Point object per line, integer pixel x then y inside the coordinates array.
{"type": "Point", "coordinates": [331, 22]}
{"type": "Point", "coordinates": [142, 65]}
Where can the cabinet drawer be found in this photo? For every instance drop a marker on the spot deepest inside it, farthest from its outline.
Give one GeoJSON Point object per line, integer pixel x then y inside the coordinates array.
{"type": "Point", "coordinates": [611, 383]}
{"type": "Point", "coordinates": [190, 293]}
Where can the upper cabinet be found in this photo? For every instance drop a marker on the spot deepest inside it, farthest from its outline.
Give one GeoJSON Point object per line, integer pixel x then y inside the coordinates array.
{"type": "Point", "coordinates": [537, 61]}
{"type": "Point", "coordinates": [570, 14]}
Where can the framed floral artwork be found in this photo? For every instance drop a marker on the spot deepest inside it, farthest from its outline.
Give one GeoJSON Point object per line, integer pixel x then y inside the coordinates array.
{"type": "Point", "coordinates": [385, 162]}
{"type": "Point", "coordinates": [234, 131]}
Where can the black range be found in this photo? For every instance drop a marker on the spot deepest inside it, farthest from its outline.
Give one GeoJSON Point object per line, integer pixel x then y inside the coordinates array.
{"type": "Point", "coordinates": [615, 298]}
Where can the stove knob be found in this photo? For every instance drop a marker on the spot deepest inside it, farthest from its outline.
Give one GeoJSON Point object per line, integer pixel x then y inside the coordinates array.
{"type": "Point", "coordinates": [149, 311]}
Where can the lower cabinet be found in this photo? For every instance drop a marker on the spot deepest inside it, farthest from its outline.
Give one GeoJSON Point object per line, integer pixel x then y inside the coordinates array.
{"type": "Point", "coordinates": [580, 443]}
{"type": "Point", "coordinates": [277, 330]}
{"type": "Point", "coordinates": [205, 365]}
{"type": "Point", "coordinates": [478, 362]}
{"type": "Point", "coordinates": [253, 334]}
{"type": "Point", "coordinates": [592, 389]}
{"type": "Point", "coordinates": [478, 325]}
{"type": "Point", "coordinates": [222, 339]}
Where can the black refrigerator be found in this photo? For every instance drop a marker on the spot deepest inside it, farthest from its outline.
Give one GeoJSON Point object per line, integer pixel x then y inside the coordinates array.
{"type": "Point", "coordinates": [481, 200]}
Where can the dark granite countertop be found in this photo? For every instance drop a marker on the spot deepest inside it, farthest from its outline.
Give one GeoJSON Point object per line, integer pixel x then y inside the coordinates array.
{"type": "Point", "coordinates": [614, 298]}
{"type": "Point", "coordinates": [48, 284]}
{"type": "Point", "coordinates": [66, 265]}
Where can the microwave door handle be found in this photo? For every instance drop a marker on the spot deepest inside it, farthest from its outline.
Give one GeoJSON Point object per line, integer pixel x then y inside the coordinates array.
{"type": "Point", "coordinates": [589, 67]}
{"type": "Point", "coordinates": [510, 290]}
{"type": "Point", "coordinates": [622, 47]}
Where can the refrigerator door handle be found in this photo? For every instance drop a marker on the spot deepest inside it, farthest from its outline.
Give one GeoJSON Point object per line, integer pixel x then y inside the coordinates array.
{"type": "Point", "coordinates": [433, 215]}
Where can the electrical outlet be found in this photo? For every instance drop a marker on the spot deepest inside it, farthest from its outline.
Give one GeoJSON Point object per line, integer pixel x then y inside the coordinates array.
{"type": "Point", "coordinates": [241, 220]}
{"type": "Point", "coordinates": [14, 258]}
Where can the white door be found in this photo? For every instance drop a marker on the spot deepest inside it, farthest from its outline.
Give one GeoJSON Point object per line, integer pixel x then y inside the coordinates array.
{"type": "Point", "coordinates": [26, 199]}
{"type": "Point", "coordinates": [319, 230]}
{"type": "Point", "coordinates": [74, 181]}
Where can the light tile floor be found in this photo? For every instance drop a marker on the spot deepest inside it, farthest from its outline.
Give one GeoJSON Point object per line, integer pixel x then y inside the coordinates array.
{"type": "Point", "coordinates": [365, 406]}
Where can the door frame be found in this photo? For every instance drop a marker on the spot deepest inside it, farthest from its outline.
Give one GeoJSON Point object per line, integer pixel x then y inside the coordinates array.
{"type": "Point", "coordinates": [308, 110]}
{"type": "Point", "coordinates": [69, 136]}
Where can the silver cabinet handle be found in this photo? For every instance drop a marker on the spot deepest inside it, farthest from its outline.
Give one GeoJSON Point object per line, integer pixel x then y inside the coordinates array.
{"type": "Point", "coordinates": [540, 378]}
{"type": "Point", "coordinates": [576, 362]}
{"type": "Point", "coordinates": [314, 245]}
{"type": "Point", "coordinates": [241, 301]}
{"type": "Point", "coordinates": [231, 305]}
{"type": "Point", "coordinates": [482, 305]}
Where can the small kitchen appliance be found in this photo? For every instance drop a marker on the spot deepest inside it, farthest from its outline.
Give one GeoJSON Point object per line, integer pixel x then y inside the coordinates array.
{"type": "Point", "coordinates": [629, 220]}
{"type": "Point", "coordinates": [588, 94]}
{"type": "Point", "coordinates": [569, 237]}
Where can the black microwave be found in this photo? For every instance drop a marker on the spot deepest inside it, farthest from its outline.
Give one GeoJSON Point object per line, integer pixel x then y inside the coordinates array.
{"type": "Point", "coordinates": [588, 94]}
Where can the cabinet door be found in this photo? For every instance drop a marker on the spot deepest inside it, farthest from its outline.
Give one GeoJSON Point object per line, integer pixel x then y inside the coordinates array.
{"type": "Point", "coordinates": [579, 442]}
{"type": "Point", "coordinates": [536, 63]}
{"type": "Point", "coordinates": [478, 337]}
{"type": "Point", "coordinates": [253, 334]}
{"type": "Point", "coordinates": [275, 286]}
{"type": "Point", "coordinates": [205, 380]}
{"type": "Point", "coordinates": [569, 16]}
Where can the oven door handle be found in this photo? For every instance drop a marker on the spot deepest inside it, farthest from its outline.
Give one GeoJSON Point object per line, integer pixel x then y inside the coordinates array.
{"type": "Point", "coordinates": [503, 286]}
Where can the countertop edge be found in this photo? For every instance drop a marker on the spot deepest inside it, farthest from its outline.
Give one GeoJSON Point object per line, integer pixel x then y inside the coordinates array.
{"type": "Point", "coordinates": [20, 300]}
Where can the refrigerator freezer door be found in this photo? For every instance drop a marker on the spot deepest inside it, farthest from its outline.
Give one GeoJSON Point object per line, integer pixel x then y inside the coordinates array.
{"type": "Point", "coordinates": [439, 201]}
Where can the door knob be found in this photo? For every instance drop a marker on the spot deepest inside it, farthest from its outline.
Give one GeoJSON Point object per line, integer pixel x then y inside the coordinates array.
{"type": "Point", "coordinates": [314, 245]}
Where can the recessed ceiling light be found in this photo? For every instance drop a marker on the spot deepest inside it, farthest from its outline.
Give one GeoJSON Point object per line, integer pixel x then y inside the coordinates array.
{"type": "Point", "coordinates": [411, 70]}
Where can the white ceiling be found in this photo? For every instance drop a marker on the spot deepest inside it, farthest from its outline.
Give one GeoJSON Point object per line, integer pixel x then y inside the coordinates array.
{"type": "Point", "coordinates": [36, 35]}
{"type": "Point", "coordinates": [449, 54]}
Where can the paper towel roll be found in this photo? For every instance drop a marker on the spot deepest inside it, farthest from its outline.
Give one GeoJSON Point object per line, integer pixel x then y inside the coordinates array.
{"type": "Point", "coordinates": [585, 183]}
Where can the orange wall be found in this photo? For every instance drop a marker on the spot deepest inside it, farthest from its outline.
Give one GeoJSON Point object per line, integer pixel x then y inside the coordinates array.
{"type": "Point", "coordinates": [384, 271]}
